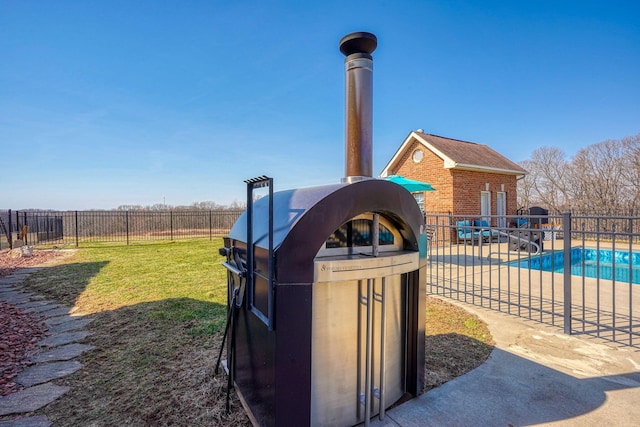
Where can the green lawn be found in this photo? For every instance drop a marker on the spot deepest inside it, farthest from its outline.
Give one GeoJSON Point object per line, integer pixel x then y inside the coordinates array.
{"type": "Point", "coordinates": [159, 311]}
{"type": "Point", "coordinates": [187, 275]}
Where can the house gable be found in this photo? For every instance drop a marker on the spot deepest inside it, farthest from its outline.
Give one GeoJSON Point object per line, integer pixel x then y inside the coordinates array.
{"type": "Point", "coordinates": [455, 154]}
{"type": "Point", "coordinates": [459, 171]}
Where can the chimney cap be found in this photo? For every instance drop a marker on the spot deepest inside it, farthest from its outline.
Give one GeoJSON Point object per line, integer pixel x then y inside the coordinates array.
{"type": "Point", "coordinates": [358, 42]}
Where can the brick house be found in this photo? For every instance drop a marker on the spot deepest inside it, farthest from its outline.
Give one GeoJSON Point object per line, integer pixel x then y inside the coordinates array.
{"type": "Point", "coordinates": [470, 179]}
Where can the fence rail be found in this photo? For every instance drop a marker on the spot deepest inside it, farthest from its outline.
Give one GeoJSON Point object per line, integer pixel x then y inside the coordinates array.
{"type": "Point", "coordinates": [579, 273]}
{"type": "Point", "coordinates": [80, 227]}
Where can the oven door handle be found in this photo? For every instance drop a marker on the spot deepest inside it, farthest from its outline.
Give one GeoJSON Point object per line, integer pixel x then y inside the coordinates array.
{"type": "Point", "coordinates": [234, 270]}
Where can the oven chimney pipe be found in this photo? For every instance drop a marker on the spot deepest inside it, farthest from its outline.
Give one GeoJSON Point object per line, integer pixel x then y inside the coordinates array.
{"type": "Point", "coordinates": [357, 47]}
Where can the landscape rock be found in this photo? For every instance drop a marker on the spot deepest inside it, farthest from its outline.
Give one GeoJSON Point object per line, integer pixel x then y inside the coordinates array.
{"type": "Point", "coordinates": [37, 421]}
{"type": "Point", "coordinates": [63, 338]}
{"type": "Point", "coordinates": [65, 352]}
{"type": "Point", "coordinates": [42, 373]}
{"type": "Point", "coordinates": [30, 399]}
{"type": "Point", "coordinates": [21, 252]}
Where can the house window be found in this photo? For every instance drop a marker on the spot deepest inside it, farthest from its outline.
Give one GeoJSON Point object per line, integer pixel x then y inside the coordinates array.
{"type": "Point", "coordinates": [417, 156]}
{"type": "Point", "coordinates": [419, 200]}
{"type": "Point", "coordinates": [501, 208]}
{"type": "Point", "coordinates": [485, 205]}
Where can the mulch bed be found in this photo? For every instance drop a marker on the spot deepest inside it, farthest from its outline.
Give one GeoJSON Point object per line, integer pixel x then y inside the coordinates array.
{"type": "Point", "coordinates": [10, 264]}
{"type": "Point", "coordinates": [19, 331]}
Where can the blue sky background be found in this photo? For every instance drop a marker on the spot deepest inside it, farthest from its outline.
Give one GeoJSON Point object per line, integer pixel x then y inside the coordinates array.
{"type": "Point", "coordinates": [107, 103]}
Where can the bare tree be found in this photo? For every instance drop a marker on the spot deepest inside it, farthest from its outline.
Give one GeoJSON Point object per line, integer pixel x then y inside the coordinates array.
{"type": "Point", "coordinates": [550, 178]}
{"type": "Point", "coordinates": [600, 177]}
{"type": "Point", "coordinates": [130, 208]}
{"type": "Point", "coordinates": [526, 196]}
{"type": "Point", "coordinates": [207, 205]}
{"type": "Point", "coordinates": [631, 170]}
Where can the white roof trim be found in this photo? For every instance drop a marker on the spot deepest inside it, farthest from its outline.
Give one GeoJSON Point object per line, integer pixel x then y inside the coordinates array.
{"type": "Point", "coordinates": [431, 148]}
{"type": "Point", "coordinates": [403, 146]}
{"type": "Point", "coordinates": [476, 168]}
{"type": "Point", "coordinates": [396, 155]}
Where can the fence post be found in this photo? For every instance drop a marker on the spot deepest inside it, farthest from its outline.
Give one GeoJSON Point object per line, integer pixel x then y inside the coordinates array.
{"type": "Point", "coordinates": [26, 235]}
{"type": "Point", "coordinates": [10, 232]}
{"type": "Point", "coordinates": [126, 224]}
{"type": "Point", "coordinates": [77, 239]}
{"type": "Point", "coordinates": [210, 226]}
{"type": "Point", "coordinates": [18, 223]}
{"type": "Point", "coordinates": [171, 224]}
{"type": "Point", "coordinates": [566, 246]}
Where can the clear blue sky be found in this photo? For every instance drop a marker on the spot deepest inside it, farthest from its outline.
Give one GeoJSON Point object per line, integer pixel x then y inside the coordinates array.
{"type": "Point", "coordinates": [106, 103]}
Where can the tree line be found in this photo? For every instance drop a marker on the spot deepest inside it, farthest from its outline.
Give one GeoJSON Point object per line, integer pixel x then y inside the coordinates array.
{"type": "Point", "coordinates": [195, 206]}
{"type": "Point", "coordinates": [600, 179]}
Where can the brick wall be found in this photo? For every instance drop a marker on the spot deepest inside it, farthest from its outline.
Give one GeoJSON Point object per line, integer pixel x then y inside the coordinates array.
{"type": "Point", "coordinates": [469, 185]}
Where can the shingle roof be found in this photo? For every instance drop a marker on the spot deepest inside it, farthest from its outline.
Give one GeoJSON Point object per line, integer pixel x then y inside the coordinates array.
{"type": "Point", "coordinates": [470, 153]}
{"type": "Point", "coordinates": [458, 154]}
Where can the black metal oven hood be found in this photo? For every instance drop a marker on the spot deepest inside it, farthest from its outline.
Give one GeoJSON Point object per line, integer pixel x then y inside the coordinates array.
{"type": "Point", "coordinates": [303, 218]}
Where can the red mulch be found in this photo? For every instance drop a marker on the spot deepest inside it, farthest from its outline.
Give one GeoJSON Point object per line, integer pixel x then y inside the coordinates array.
{"type": "Point", "coordinates": [19, 331]}
{"type": "Point", "coordinates": [9, 265]}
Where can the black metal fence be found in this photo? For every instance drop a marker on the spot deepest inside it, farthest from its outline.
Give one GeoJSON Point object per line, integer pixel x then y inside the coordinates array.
{"type": "Point", "coordinates": [579, 273]}
{"type": "Point", "coordinates": [81, 227]}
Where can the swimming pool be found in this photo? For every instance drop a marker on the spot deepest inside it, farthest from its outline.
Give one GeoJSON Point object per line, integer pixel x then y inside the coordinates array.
{"type": "Point", "coordinates": [613, 264]}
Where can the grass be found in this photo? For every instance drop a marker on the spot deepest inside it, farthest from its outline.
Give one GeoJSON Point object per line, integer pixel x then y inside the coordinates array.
{"type": "Point", "coordinates": [456, 342]}
{"type": "Point", "coordinates": [159, 311]}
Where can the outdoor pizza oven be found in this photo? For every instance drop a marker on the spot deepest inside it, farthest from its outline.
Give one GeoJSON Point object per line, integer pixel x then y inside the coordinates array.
{"type": "Point", "coordinates": [327, 287]}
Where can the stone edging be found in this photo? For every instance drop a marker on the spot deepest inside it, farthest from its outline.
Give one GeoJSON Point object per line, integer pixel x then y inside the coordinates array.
{"type": "Point", "coordinates": [52, 358]}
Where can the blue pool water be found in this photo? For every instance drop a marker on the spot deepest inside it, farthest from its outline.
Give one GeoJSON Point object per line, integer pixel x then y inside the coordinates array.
{"type": "Point", "coordinates": [618, 265]}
